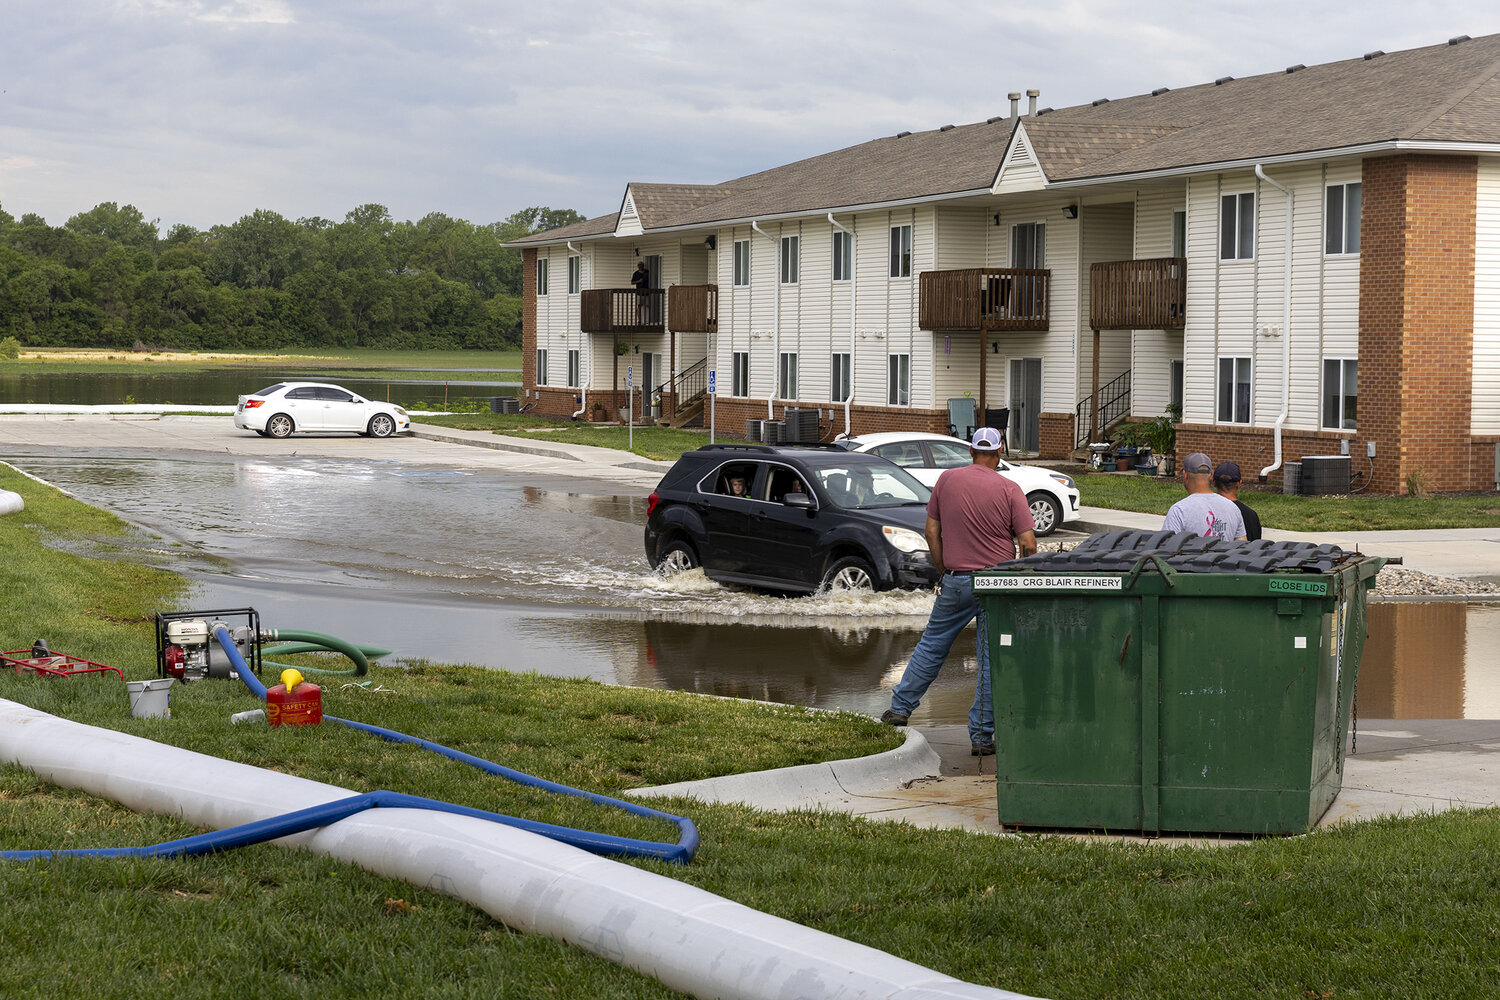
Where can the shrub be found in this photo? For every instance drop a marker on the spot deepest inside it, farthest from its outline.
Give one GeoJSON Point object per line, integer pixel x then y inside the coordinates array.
{"type": "Point", "coordinates": [10, 348]}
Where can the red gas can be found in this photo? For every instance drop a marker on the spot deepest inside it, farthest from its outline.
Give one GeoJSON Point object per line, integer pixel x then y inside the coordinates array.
{"type": "Point", "coordinates": [294, 702]}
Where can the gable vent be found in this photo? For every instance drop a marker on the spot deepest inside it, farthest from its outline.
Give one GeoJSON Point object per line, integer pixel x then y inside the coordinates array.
{"type": "Point", "coordinates": [1222, 80]}
{"type": "Point", "coordinates": [946, 128]}
{"type": "Point", "coordinates": [1293, 69]}
{"type": "Point", "coordinates": [902, 135]}
{"type": "Point", "coordinates": [1373, 55]}
{"type": "Point", "coordinates": [1159, 91]}
{"type": "Point", "coordinates": [1457, 39]}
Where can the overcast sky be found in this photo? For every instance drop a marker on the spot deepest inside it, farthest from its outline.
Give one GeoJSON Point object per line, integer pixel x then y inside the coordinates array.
{"type": "Point", "coordinates": [201, 111]}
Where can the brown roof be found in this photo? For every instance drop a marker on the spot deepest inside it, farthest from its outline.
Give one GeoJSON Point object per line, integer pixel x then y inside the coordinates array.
{"type": "Point", "coordinates": [1441, 93]}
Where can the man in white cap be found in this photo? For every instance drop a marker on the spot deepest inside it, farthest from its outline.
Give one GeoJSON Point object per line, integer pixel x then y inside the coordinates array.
{"type": "Point", "coordinates": [975, 519]}
{"type": "Point", "coordinates": [1202, 511]}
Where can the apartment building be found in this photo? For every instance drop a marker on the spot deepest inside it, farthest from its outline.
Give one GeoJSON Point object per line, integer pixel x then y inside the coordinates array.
{"type": "Point", "coordinates": [1306, 261]}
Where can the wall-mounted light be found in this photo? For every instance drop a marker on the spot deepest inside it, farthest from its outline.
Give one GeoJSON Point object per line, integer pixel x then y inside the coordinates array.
{"type": "Point", "coordinates": [997, 218]}
{"type": "Point", "coordinates": [994, 347]}
{"type": "Point", "coordinates": [1070, 211]}
{"type": "Point", "coordinates": [637, 251]}
{"type": "Point", "coordinates": [637, 348]}
{"type": "Point", "coordinates": [712, 242]}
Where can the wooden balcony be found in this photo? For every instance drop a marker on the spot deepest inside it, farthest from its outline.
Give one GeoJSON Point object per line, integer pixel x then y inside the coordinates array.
{"type": "Point", "coordinates": [622, 310]}
{"type": "Point", "coordinates": [1138, 294]}
{"type": "Point", "coordinates": [693, 308]}
{"type": "Point", "coordinates": [985, 298]}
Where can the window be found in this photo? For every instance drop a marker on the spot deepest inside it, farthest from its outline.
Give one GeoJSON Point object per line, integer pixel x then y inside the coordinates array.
{"type": "Point", "coordinates": [1179, 234]}
{"type": "Point", "coordinates": [790, 260]}
{"type": "Point", "coordinates": [899, 384]}
{"type": "Point", "coordinates": [842, 380]}
{"type": "Point", "coordinates": [541, 366]}
{"type": "Point", "coordinates": [786, 377]}
{"type": "Point", "coordinates": [1237, 226]}
{"type": "Point", "coordinates": [1341, 222]}
{"type": "Point", "coordinates": [741, 263]}
{"type": "Point", "coordinates": [1174, 385]}
{"type": "Point", "coordinates": [901, 251]}
{"type": "Point", "coordinates": [843, 257]}
{"type": "Point", "coordinates": [949, 456]}
{"type": "Point", "coordinates": [1234, 390]}
{"type": "Point", "coordinates": [1028, 245]}
{"type": "Point", "coordinates": [575, 275]}
{"type": "Point", "coordinates": [1340, 392]}
{"type": "Point", "coordinates": [740, 377]}
{"type": "Point", "coordinates": [573, 369]}
{"type": "Point", "coordinates": [541, 275]}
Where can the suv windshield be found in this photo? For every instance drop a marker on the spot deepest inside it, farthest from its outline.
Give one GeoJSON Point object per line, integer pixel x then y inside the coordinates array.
{"type": "Point", "coordinates": [866, 487]}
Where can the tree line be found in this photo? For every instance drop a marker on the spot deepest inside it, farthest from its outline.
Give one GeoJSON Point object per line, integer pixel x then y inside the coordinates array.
{"type": "Point", "coordinates": [107, 278]}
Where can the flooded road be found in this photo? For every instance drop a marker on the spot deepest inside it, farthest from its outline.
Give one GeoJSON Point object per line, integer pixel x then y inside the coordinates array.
{"type": "Point", "coordinates": [477, 565]}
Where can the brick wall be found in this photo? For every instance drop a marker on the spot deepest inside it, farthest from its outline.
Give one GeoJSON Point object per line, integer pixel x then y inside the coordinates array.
{"type": "Point", "coordinates": [1253, 448]}
{"type": "Point", "coordinates": [1416, 319]}
{"type": "Point", "coordinates": [1055, 435]}
{"type": "Point", "coordinates": [528, 323]}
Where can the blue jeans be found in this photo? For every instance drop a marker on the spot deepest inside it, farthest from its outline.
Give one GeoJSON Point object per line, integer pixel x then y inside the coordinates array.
{"type": "Point", "coordinates": [954, 608]}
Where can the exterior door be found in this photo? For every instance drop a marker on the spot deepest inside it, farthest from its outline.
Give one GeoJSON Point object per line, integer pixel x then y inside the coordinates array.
{"type": "Point", "coordinates": [651, 377]}
{"type": "Point", "coordinates": [1025, 403]}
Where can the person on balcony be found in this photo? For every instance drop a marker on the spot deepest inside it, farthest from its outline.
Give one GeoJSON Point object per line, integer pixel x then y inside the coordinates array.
{"type": "Point", "coordinates": [641, 282]}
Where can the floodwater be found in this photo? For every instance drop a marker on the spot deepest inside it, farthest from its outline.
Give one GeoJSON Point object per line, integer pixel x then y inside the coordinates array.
{"type": "Point", "coordinates": [220, 386]}
{"type": "Point", "coordinates": [475, 566]}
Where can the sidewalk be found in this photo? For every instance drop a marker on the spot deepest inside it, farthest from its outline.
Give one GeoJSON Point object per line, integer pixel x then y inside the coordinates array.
{"type": "Point", "coordinates": [1399, 768]}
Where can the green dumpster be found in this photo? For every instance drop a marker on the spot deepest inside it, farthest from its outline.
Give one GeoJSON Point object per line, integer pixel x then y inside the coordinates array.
{"type": "Point", "coordinates": [1164, 682]}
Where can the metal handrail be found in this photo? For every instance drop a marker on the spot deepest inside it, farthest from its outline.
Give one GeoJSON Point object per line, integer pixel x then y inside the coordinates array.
{"type": "Point", "coordinates": [1116, 407]}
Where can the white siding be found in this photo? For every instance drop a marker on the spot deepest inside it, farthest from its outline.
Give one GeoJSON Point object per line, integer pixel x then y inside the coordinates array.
{"type": "Point", "coordinates": [1107, 236]}
{"type": "Point", "coordinates": [1485, 417]}
{"type": "Point", "coordinates": [1153, 351]}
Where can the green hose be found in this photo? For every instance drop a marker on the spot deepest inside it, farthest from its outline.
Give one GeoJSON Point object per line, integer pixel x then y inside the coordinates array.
{"type": "Point", "coordinates": [303, 641]}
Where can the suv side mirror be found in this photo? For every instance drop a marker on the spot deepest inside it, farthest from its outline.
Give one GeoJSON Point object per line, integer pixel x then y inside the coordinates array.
{"type": "Point", "coordinates": [798, 500]}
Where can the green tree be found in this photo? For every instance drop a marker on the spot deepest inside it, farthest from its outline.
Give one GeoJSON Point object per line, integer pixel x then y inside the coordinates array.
{"type": "Point", "coordinates": [118, 225]}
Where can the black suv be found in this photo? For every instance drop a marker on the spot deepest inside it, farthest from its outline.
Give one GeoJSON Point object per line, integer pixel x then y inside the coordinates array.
{"type": "Point", "coordinates": [791, 518]}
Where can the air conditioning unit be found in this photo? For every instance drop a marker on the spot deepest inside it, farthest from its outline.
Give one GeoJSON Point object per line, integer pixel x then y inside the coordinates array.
{"type": "Point", "coordinates": [752, 430]}
{"type": "Point", "coordinates": [771, 431]}
{"type": "Point", "coordinates": [1291, 478]}
{"type": "Point", "coordinates": [1325, 474]}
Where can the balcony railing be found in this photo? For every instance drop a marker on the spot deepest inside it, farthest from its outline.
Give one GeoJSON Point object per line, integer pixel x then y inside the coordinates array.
{"type": "Point", "coordinates": [985, 298]}
{"type": "Point", "coordinates": [693, 308]}
{"type": "Point", "coordinates": [1138, 294]}
{"type": "Point", "coordinates": [622, 310]}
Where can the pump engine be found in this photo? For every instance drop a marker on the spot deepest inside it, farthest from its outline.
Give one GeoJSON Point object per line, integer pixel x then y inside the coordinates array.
{"type": "Point", "coordinates": [186, 647]}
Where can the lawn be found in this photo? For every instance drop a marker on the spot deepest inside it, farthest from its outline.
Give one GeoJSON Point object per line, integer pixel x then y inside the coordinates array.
{"type": "Point", "coordinates": [1387, 909]}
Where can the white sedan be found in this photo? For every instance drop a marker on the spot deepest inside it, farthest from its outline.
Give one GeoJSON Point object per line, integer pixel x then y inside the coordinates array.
{"type": "Point", "coordinates": [316, 407]}
{"type": "Point", "coordinates": [1053, 496]}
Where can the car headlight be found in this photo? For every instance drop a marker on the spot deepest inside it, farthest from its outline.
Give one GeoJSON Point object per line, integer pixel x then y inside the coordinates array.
{"type": "Point", "coordinates": [401, 410]}
{"type": "Point", "coordinates": [904, 539]}
{"type": "Point", "coordinates": [1066, 480]}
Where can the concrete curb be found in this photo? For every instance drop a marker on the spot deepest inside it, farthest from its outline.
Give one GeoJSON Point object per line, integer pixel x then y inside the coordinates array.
{"type": "Point", "coordinates": [812, 786]}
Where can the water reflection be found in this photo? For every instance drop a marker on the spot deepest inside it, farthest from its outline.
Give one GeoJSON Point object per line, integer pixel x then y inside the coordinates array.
{"type": "Point", "coordinates": [1431, 660]}
{"type": "Point", "coordinates": [220, 386]}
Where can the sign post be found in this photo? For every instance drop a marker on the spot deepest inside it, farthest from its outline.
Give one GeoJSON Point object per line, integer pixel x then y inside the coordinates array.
{"type": "Point", "coordinates": [630, 407]}
{"type": "Point", "coordinates": [711, 390]}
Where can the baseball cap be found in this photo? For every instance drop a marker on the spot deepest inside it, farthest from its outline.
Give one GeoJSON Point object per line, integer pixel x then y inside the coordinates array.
{"type": "Point", "coordinates": [986, 439]}
{"type": "Point", "coordinates": [1227, 472]}
{"type": "Point", "coordinates": [1197, 462]}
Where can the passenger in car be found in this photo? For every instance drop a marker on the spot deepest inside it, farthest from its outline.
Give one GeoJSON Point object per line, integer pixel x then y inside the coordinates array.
{"type": "Point", "coordinates": [736, 486]}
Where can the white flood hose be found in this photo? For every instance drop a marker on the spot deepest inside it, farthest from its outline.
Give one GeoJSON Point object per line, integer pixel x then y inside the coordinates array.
{"type": "Point", "coordinates": [689, 939]}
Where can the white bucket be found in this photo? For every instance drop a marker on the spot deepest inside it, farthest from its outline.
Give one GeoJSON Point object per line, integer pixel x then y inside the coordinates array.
{"type": "Point", "coordinates": [151, 699]}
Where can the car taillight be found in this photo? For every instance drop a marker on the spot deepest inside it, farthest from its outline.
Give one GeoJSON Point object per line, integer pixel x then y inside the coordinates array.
{"type": "Point", "coordinates": [251, 404]}
{"type": "Point", "coordinates": [651, 502]}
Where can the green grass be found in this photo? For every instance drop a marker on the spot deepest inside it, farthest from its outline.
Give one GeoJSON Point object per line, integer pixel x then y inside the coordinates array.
{"type": "Point", "coordinates": [1153, 495]}
{"type": "Point", "coordinates": [1399, 908]}
{"type": "Point", "coordinates": [664, 444]}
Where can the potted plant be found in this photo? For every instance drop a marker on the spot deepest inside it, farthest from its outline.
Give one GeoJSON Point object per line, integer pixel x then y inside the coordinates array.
{"type": "Point", "coordinates": [1161, 434]}
{"type": "Point", "coordinates": [1128, 439]}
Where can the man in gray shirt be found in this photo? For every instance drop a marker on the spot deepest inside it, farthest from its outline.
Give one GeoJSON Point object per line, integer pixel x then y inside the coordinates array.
{"type": "Point", "coordinates": [1202, 511]}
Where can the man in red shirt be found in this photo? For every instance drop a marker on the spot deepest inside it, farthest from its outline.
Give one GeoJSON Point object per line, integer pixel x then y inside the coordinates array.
{"type": "Point", "coordinates": [976, 519]}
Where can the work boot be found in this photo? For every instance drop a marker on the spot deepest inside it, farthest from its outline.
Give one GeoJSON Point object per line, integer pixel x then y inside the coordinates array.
{"type": "Point", "coordinates": [895, 718]}
{"type": "Point", "coordinates": [982, 750]}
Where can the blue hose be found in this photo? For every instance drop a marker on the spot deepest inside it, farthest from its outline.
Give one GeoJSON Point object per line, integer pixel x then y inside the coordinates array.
{"type": "Point", "coordinates": [331, 812]}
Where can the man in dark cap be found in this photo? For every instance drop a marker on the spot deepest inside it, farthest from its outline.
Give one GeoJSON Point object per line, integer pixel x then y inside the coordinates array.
{"type": "Point", "coordinates": [1227, 482]}
{"type": "Point", "coordinates": [1202, 511]}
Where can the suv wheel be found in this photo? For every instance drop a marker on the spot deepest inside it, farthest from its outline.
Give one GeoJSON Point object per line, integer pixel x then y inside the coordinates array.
{"type": "Point", "coordinates": [850, 573]}
{"type": "Point", "coordinates": [1046, 512]}
{"type": "Point", "coordinates": [677, 557]}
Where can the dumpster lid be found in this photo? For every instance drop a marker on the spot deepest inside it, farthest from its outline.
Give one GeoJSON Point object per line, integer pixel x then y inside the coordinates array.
{"type": "Point", "coordinates": [1119, 551]}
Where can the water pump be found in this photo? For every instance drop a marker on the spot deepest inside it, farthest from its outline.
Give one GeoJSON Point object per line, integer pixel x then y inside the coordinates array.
{"type": "Point", "coordinates": [186, 647]}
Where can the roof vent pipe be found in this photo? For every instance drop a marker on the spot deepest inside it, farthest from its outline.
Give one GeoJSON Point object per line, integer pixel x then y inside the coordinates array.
{"type": "Point", "coordinates": [1015, 102]}
{"type": "Point", "coordinates": [1033, 94]}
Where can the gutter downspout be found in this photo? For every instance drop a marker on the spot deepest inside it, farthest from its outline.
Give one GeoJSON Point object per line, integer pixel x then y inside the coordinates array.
{"type": "Point", "coordinates": [775, 325]}
{"type": "Point", "coordinates": [583, 383]}
{"type": "Point", "coordinates": [1286, 325]}
{"type": "Point", "coordinates": [853, 299]}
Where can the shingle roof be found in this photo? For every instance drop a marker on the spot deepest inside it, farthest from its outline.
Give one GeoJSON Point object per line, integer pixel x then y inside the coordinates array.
{"type": "Point", "coordinates": [1440, 93]}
